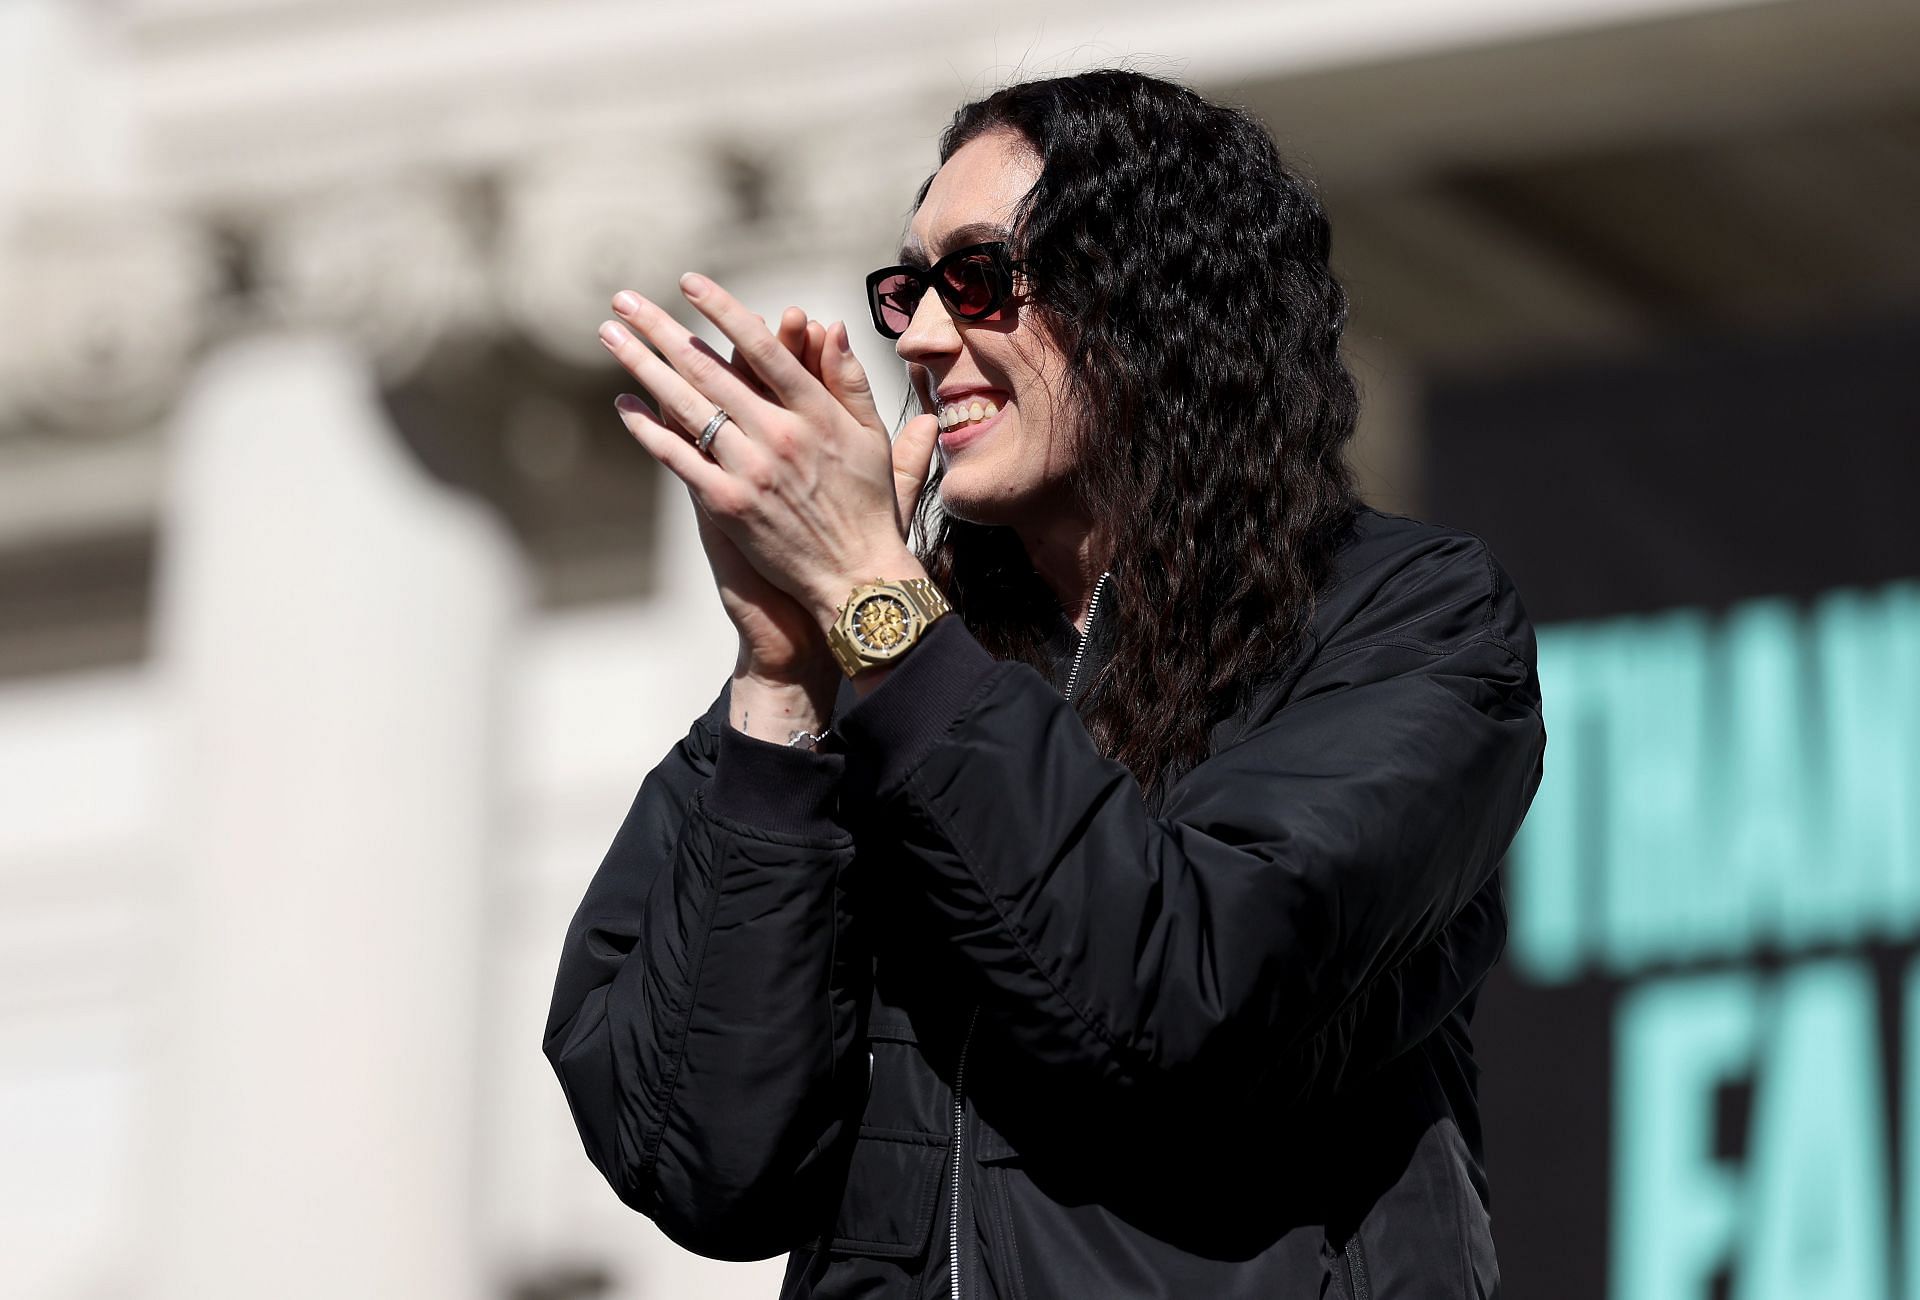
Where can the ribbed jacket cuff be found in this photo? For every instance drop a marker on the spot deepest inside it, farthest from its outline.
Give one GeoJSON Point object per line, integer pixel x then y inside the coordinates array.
{"type": "Point", "coordinates": [920, 700]}
{"type": "Point", "coordinates": [775, 787]}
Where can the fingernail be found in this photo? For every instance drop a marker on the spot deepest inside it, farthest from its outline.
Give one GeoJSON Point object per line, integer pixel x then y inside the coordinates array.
{"type": "Point", "coordinates": [626, 302]}
{"type": "Point", "coordinates": [610, 334]}
{"type": "Point", "coordinates": [693, 284]}
{"type": "Point", "coordinates": [628, 403]}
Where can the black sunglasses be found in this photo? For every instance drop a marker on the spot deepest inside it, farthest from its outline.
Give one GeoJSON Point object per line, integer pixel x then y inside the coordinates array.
{"type": "Point", "coordinates": [973, 281]}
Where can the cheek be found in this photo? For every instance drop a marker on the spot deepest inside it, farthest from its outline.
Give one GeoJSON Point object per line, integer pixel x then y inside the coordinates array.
{"type": "Point", "coordinates": [1039, 437]}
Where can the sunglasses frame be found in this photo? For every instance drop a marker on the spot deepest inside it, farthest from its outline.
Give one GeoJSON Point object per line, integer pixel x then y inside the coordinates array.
{"type": "Point", "coordinates": [932, 277]}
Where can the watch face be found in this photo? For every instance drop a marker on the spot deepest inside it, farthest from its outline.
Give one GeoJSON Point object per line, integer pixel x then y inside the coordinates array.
{"type": "Point", "coordinates": [880, 623]}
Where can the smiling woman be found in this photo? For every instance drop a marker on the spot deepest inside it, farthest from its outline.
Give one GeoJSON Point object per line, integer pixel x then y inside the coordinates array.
{"type": "Point", "coordinates": [1121, 934]}
{"type": "Point", "coordinates": [1014, 470]}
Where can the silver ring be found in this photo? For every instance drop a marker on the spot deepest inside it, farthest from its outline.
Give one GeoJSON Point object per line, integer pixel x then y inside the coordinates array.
{"type": "Point", "coordinates": [720, 417]}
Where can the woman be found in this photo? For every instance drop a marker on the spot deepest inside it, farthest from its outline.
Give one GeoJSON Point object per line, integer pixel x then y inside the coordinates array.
{"type": "Point", "coordinates": [1116, 933]}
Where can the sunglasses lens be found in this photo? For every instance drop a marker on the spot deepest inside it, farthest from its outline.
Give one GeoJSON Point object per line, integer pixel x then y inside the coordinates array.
{"type": "Point", "coordinates": [896, 296]}
{"type": "Point", "coordinates": [974, 285]}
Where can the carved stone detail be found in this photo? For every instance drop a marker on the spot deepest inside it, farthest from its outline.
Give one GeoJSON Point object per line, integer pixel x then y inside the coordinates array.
{"type": "Point", "coordinates": [105, 307]}
{"type": "Point", "coordinates": [116, 304]}
{"type": "Point", "coordinates": [399, 269]}
{"type": "Point", "coordinates": [575, 230]}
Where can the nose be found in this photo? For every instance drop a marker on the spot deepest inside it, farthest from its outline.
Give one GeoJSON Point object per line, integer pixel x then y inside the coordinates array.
{"type": "Point", "coordinates": [931, 333]}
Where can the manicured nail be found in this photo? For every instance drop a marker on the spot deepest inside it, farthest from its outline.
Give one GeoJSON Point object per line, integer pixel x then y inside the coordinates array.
{"type": "Point", "coordinates": [626, 302]}
{"type": "Point", "coordinates": [693, 284]}
{"type": "Point", "coordinates": [611, 334]}
{"type": "Point", "coordinates": [628, 403]}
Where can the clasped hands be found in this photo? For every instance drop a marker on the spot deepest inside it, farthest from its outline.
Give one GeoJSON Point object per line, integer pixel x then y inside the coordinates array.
{"type": "Point", "coordinates": [802, 494]}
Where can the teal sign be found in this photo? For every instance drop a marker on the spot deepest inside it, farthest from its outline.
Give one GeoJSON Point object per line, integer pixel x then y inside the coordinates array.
{"type": "Point", "coordinates": [1729, 831]}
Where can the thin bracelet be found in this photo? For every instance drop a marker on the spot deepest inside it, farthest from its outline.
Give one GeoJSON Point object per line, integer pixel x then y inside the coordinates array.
{"type": "Point", "coordinates": [817, 737]}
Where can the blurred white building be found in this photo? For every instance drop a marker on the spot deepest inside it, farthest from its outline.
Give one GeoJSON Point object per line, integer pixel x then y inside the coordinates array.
{"type": "Point", "coordinates": [339, 619]}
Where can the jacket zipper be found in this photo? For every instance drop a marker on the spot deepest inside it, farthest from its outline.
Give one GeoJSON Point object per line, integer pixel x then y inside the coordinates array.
{"type": "Point", "coordinates": [1093, 606]}
{"type": "Point", "coordinates": [960, 1068]}
{"type": "Point", "coordinates": [959, 1131]}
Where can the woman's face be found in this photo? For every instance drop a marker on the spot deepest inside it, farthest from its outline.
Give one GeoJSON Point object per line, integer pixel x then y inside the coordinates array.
{"type": "Point", "coordinates": [1007, 468]}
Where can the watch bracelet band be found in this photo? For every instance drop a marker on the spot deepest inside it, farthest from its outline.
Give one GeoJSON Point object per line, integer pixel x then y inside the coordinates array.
{"type": "Point", "coordinates": [928, 603]}
{"type": "Point", "coordinates": [926, 598]}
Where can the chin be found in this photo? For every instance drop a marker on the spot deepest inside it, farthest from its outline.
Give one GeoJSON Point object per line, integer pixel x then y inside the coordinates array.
{"type": "Point", "coordinates": [962, 498]}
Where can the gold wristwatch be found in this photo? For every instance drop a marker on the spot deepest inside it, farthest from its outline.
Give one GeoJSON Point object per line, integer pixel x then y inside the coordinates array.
{"type": "Point", "coordinates": [881, 620]}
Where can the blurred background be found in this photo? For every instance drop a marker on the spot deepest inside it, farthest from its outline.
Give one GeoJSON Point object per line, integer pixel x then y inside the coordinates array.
{"type": "Point", "coordinates": [340, 619]}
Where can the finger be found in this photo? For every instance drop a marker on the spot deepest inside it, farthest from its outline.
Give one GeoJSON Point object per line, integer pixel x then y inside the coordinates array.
{"type": "Point", "coordinates": [816, 345]}
{"type": "Point", "coordinates": [912, 462]}
{"type": "Point", "coordinates": [688, 390]}
{"type": "Point", "coordinates": [846, 378]}
{"type": "Point", "coordinates": [740, 368]}
{"type": "Point", "coordinates": [778, 368]}
{"type": "Point", "coordinates": [643, 364]}
{"type": "Point", "coordinates": [716, 382]}
{"type": "Point", "coordinates": [794, 331]}
{"type": "Point", "coordinates": [795, 334]}
{"type": "Point", "coordinates": [792, 334]}
{"type": "Point", "coordinates": [672, 449]}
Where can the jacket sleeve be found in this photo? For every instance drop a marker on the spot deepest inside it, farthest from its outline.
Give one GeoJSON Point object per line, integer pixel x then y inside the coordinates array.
{"type": "Point", "coordinates": [703, 1018]}
{"type": "Point", "coordinates": [1319, 890]}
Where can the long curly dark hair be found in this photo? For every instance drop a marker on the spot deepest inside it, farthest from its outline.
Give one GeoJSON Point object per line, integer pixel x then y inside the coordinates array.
{"type": "Point", "coordinates": [1181, 267]}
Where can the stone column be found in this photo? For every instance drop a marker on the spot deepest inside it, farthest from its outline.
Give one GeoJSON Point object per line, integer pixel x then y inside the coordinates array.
{"type": "Point", "coordinates": [330, 645]}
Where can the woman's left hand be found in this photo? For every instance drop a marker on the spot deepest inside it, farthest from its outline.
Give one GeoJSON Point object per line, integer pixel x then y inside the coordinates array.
{"type": "Point", "coordinates": [796, 480]}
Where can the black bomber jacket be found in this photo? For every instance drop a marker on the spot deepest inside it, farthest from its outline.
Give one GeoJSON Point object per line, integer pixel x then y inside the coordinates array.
{"type": "Point", "coordinates": [949, 990]}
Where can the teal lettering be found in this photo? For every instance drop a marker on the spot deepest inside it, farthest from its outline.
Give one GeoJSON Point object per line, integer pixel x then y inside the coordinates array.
{"type": "Point", "coordinates": [1669, 900]}
{"type": "Point", "coordinates": [1818, 1223]}
{"type": "Point", "coordinates": [1607, 862]}
{"type": "Point", "coordinates": [1770, 839]}
{"type": "Point", "coordinates": [1676, 1209]}
{"type": "Point", "coordinates": [1910, 1131]}
{"type": "Point", "coordinates": [1866, 652]}
{"type": "Point", "coordinates": [1717, 789]}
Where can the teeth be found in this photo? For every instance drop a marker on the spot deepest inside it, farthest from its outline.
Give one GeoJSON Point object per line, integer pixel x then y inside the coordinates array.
{"type": "Point", "coordinates": [967, 413]}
